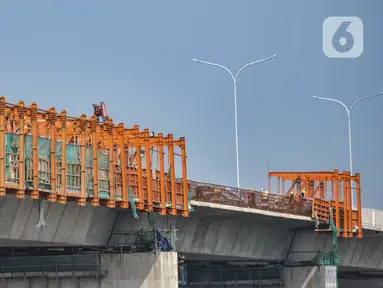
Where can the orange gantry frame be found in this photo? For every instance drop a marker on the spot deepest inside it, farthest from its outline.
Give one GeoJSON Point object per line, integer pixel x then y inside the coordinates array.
{"type": "Point", "coordinates": [61, 158]}
{"type": "Point", "coordinates": [326, 190]}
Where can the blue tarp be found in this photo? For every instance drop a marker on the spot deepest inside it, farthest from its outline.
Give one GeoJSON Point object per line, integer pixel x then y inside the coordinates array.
{"type": "Point", "coordinates": [163, 242]}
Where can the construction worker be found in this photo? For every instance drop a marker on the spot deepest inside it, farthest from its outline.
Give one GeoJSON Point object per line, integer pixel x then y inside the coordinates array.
{"type": "Point", "coordinates": [251, 198]}
{"type": "Point", "coordinates": [182, 269]}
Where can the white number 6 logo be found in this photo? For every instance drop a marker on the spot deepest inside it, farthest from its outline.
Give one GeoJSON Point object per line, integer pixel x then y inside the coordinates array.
{"type": "Point", "coordinates": [343, 37]}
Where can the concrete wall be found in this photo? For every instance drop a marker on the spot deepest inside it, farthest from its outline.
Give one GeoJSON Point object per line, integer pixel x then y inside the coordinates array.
{"type": "Point", "coordinates": [65, 224]}
{"type": "Point", "coordinates": [144, 270]}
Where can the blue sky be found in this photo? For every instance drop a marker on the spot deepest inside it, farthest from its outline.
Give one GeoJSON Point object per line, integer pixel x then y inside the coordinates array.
{"type": "Point", "coordinates": [137, 57]}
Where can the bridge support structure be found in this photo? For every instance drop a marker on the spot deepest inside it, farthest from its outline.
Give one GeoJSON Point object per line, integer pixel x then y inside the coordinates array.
{"type": "Point", "coordinates": [310, 276]}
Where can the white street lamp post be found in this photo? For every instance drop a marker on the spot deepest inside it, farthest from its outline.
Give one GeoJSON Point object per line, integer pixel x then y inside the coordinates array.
{"type": "Point", "coordinates": [234, 78]}
{"type": "Point", "coordinates": [349, 124]}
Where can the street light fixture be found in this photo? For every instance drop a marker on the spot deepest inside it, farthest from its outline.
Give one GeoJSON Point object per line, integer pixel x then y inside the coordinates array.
{"type": "Point", "coordinates": [234, 78]}
{"type": "Point", "coordinates": [349, 110]}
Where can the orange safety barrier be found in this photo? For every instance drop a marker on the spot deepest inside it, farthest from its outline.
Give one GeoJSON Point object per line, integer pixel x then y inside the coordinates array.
{"type": "Point", "coordinates": [326, 190]}
{"type": "Point", "coordinates": [62, 158]}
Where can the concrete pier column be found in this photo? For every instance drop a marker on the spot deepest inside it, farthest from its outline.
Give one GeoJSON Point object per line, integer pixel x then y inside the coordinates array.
{"type": "Point", "coordinates": [310, 277]}
{"type": "Point", "coordinates": [140, 270]}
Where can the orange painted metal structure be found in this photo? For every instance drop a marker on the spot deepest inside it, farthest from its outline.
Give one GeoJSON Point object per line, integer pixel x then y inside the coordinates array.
{"type": "Point", "coordinates": [132, 174]}
{"type": "Point", "coordinates": [327, 190]}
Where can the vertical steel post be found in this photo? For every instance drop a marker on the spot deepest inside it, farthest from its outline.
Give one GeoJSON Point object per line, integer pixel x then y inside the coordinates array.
{"type": "Point", "coordinates": [35, 155]}
{"type": "Point", "coordinates": [359, 199]}
{"type": "Point", "coordinates": [125, 201]}
{"type": "Point", "coordinates": [185, 191]}
{"type": "Point", "coordinates": [140, 204]}
{"type": "Point", "coordinates": [52, 122]}
{"type": "Point", "coordinates": [93, 126]}
{"type": "Point", "coordinates": [21, 114]}
{"type": "Point", "coordinates": [148, 171]}
{"type": "Point", "coordinates": [345, 202]}
{"type": "Point", "coordinates": [173, 210]}
{"type": "Point", "coordinates": [162, 174]}
{"type": "Point", "coordinates": [111, 201]}
{"type": "Point", "coordinates": [82, 200]}
{"type": "Point", "coordinates": [62, 198]}
{"type": "Point", "coordinates": [2, 146]}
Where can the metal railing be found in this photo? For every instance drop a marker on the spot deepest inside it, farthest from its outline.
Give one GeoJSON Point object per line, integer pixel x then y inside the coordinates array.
{"type": "Point", "coordinates": [52, 265]}
{"type": "Point", "coordinates": [199, 276]}
{"type": "Point", "coordinates": [145, 240]}
{"type": "Point", "coordinates": [249, 198]}
{"type": "Point", "coordinates": [372, 218]}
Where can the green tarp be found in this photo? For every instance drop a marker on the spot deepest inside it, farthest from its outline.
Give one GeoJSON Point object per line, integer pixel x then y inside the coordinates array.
{"type": "Point", "coordinates": [73, 158]}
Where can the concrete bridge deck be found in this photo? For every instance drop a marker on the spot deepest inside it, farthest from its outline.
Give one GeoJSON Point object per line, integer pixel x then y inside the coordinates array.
{"type": "Point", "coordinates": [214, 231]}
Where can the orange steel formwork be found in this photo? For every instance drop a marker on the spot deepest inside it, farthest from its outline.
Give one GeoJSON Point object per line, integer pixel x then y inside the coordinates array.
{"type": "Point", "coordinates": [88, 161]}
{"type": "Point", "coordinates": [327, 190]}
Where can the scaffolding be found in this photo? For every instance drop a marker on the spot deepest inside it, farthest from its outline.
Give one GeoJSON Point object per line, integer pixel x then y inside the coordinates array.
{"type": "Point", "coordinates": [44, 154]}
{"type": "Point", "coordinates": [144, 240]}
{"type": "Point", "coordinates": [52, 266]}
{"type": "Point", "coordinates": [215, 275]}
{"type": "Point", "coordinates": [326, 191]}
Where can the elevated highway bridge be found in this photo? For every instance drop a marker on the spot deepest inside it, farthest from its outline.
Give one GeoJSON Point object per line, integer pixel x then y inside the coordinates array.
{"type": "Point", "coordinates": [84, 181]}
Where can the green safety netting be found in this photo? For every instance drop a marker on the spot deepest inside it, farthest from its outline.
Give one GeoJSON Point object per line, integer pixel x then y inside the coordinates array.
{"type": "Point", "coordinates": [11, 149]}
{"type": "Point", "coordinates": [73, 159]}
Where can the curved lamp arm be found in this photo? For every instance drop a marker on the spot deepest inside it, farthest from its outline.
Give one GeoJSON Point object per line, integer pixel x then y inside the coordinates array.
{"type": "Point", "coordinates": [252, 63]}
{"type": "Point", "coordinates": [334, 100]}
{"type": "Point", "coordinates": [365, 98]}
{"type": "Point", "coordinates": [216, 65]}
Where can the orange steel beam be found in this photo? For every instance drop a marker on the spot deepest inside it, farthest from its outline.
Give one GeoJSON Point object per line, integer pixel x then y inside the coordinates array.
{"type": "Point", "coordinates": [169, 141]}
{"type": "Point", "coordinates": [345, 200]}
{"type": "Point", "coordinates": [62, 199]}
{"type": "Point", "coordinates": [148, 173]}
{"type": "Point", "coordinates": [349, 211]}
{"type": "Point", "coordinates": [185, 211]}
{"type": "Point", "coordinates": [21, 114]}
{"type": "Point", "coordinates": [139, 174]}
{"type": "Point", "coordinates": [52, 120]}
{"type": "Point", "coordinates": [2, 146]}
{"type": "Point", "coordinates": [111, 201]}
{"type": "Point", "coordinates": [337, 211]}
{"type": "Point", "coordinates": [95, 200]}
{"type": "Point", "coordinates": [125, 202]}
{"type": "Point", "coordinates": [359, 199]}
{"type": "Point", "coordinates": [308, 175]}
{"type": "Point", "coordinates": [82, 199]}
{"type": "Point", "coordinates": [162, 176]}
{"type": "Point", "coordinates": [35, 136]}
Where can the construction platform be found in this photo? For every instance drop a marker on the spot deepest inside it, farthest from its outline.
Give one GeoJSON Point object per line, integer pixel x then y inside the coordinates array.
{"type": "Point", "coordinates": [44, 154]}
